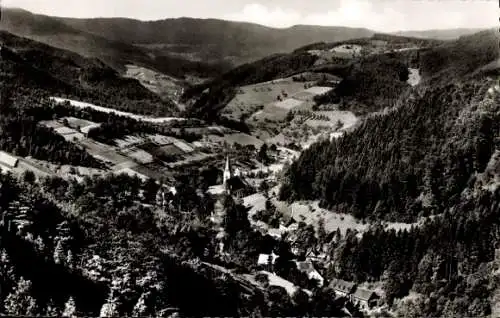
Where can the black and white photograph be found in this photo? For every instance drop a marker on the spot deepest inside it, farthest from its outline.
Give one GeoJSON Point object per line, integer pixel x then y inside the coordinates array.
{"type": "Point", "coordinates": [250, 158]}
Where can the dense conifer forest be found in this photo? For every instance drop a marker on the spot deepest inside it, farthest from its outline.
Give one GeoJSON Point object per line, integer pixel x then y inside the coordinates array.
{"type": "Point", "coordinates": [435, 153]}
{"type": "Point", "coordinates": [369, 84]}
{"type": "Point", "coordinates": [380, 169]}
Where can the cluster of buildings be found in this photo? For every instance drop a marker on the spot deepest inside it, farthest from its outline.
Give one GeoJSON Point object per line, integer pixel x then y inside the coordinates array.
{"type": "Point", "coordinates": [362, 297]}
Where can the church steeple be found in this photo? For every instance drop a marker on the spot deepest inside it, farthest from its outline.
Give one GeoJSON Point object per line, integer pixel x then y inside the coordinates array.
{"type": "Point", "coordinates": [228, 171]}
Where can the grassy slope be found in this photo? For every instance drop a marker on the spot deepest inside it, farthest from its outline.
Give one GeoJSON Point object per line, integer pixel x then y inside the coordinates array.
{"type": "Point", "coordinates": [212, 97]}
{"type": "Point", "coordinates": [370, 83]}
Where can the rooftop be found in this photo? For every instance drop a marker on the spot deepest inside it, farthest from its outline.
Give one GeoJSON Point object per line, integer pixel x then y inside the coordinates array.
{"type": "Point", "coordinates": [363, 294]}
{"type": "Point", "coordinates": [275, 280]}
{"type": "Point", "coordinates": [342, 285]}
{"type": "Point", "coordinates": [131, 173]}
{"type": "Point", "coordinates": [8, 159]}
{"type": "Point", "coordinates": [318, 90]}
{"type": "Point", "coordinates": [216, 189]}
{"type": "Point", "coordinates": [86, 129]}
{"type": "Point", "coordinates": [305, 266]}
{"type": "Point", "coordinates": [65, 130]}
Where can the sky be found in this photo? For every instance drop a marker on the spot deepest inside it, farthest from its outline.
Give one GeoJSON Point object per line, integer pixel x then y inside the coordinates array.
{"type": "Point", "coordinates": [379, 15]}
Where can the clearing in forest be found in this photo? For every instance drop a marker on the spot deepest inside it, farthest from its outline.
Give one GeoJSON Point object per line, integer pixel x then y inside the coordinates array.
{"type": "Point", "coordinates": [158, 83]}
{"type": "Point", "coordinates": [332, 118]}
{"type": "Point", "coordinates": [251, 98]}
{"type": "Point", "coordinates": [311, 213]}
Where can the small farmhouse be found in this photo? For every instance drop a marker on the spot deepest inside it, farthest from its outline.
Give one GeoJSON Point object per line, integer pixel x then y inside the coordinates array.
{"type": "Point", "coordinates": [342, 287]}
{"type": "Point", "coordinates": [7, 161]}
{"type": "Point", "coordinates": [364, 298]}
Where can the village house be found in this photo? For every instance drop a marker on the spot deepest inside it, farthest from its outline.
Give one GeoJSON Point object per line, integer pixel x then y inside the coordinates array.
{"type": "Point", "coordinates": [7, 161]}
{"type": "Point", "coordinates": [365, 298]}
{"type": "Point", "coordinates": [362, 297]}
{"type": "Point", "coordinates": [342, 287]}
{"type": "Point", "coordinates": [307, 268]}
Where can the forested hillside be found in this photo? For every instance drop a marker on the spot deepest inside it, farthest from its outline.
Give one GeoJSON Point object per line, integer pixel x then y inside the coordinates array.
{"type": "Point", "coordinates": [26, 63]}
{"type": "Point", "coordinates": [381, 168]}
{"type": "Point", "coordinates": [369, 84]}
{"type": "Point", "coordinates": [455, 59]}
{"type": "Point", "coordinates": [436, 154]}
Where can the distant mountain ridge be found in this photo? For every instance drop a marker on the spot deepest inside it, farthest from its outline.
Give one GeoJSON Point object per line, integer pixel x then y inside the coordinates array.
{"type": "Point", "coordinates": [444, 34]}
{"type": "Point", "coordinates": [238, 41]}
{"type": "Point", "coordinates": [56, 33]}
{"type": "Point", "coordinates": [194, 39]}
{"type": "Point", "coordinates": [171, 45]}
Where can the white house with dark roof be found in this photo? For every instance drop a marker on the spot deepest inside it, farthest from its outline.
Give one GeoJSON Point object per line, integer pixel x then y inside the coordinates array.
{"type": "Point", "coordinates": [8, 161]}
{"type": "Point", "coordinates": [265, 259]}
